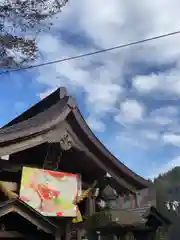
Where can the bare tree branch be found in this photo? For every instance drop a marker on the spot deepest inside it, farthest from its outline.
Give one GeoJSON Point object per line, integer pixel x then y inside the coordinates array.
{"type": "Point", "coordinates": [23, 16]}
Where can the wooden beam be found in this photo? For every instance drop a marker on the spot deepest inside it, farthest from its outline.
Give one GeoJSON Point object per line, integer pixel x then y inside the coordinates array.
{"type": "Point", "coordinates": [56, 134]}
{"type": "Point", "coordinates": [58, 235]}
{"type": "Point", "coordinates": [5, 210]}
{"type": "Point", "coordinates": [11, 234]}
{"type": "Point", "coordinates": [22, 145]}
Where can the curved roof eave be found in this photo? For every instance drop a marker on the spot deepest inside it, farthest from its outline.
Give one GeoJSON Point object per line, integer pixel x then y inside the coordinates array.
{"type": "Point", "coordinates": [47, 114]}
{"type": "Point", "coordinates": [106, 153]}
{"type": "Point", "coordinates": [40, 107]}
{"type": "Point", "coordinates": [41, 123]}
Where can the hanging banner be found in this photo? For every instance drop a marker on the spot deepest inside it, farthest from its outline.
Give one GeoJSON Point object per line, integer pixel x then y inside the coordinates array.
{"type": "Point", "coordinates": [50, 193]}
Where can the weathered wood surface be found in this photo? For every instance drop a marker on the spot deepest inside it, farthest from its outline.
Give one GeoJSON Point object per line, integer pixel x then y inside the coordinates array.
{"type": "Point", "coordinates": [11, 234]}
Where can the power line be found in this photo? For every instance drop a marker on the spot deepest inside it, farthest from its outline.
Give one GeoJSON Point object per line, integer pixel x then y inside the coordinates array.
{"type": "Point", "coordinates": [92, 53]}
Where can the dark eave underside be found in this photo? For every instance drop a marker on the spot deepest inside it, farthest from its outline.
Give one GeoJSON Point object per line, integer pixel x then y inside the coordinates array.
{"type": "Point", "coordinates": [47, 114]}
{"type": "Point", "coordinates": [16, 205]}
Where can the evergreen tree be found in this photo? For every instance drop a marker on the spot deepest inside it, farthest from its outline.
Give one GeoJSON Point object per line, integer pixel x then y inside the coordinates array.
{"type": "Point", "coordinates": [167, 187]}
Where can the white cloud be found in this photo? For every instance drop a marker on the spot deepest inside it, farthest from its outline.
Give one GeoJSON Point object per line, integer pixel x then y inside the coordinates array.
{"type": "Point", "coordinates": [43, 95]}
{"type": "Point", "coordinates": [100, 86]}
{"type": "Point", "coordinates": [148, 129]}
{"type": "Point", "coordinates": [150, 135]}
{"type": "Point", "coordinates": [102, 78]}
{"type": "Point", "coordinates": [146, 84]}
{"type": "Point", "coordinates": [129, 139]}
{"type": "Point", "coordinates": [48, 44]}
{"type": "Point", "coordinates": [142, 139]}
{"type": "Point", "coordinates": [171, 138]}
{"type": "Point", "coordinates": [102, 97]}
{"type": "Point", "coordinates": [162, 120]}
{"type": "Point", "coordinates": [167, 111]}
{"type": "Point", "coordinates": [166, 167]}
{"type": "Point", "coordinates": [167, 115]}
{"type": "Point", "coordinates": [95, 124]}
{"type": "Point", "coordinates": [130, 111]}
{"type": "Point", "coordinates": [167, 82]}
{"type": "Point", "coordinates": [106, 24]}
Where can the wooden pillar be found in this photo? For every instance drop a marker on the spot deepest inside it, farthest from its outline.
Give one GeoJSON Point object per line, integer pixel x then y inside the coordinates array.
{"type": "Point", "coordinates": [151, 235]}
{"type": "Point", "coordinates": [67, 231]}
{"type": "Point", "coordinates": [90, 207]}
{"type": "Point", "coordinates": [93, 202]}
{"type": "Point", "coordinates": [129, 236]}
{"type": "Point", "coordinates": [79, 234]}
{"type": "Point", "coordinates": [115, 237]}
{"type": "Point", "coordinates": [58, 235]}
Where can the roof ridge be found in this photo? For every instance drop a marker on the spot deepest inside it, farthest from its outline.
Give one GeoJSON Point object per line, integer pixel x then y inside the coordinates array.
{"type": "Point", "coordinates": [38, 107]}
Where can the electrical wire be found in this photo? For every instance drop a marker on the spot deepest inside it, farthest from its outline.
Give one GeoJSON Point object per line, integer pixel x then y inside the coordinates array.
{"type": "Point", "coordinates": [91, 53]}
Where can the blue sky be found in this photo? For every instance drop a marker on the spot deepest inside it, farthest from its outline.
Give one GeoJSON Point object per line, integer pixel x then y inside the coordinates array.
{"type": "Point", "coordinates": [129, 97]}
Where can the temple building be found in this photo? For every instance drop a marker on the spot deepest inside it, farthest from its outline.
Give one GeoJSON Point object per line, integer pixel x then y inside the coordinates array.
{"type": "Point", "coordinates": [58, 181]}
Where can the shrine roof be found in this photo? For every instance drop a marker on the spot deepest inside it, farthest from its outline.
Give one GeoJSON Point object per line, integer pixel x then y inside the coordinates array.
{"type": "Point", "coordinates": [24, 210]}
{"type": "Point", "coordinates": [125, 218]}
{"type": "Point", "coordinates": [34, 126]}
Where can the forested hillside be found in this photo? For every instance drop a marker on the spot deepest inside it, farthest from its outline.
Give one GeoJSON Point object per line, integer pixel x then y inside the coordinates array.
{"type": "Point", "coordinates": [168, 189]}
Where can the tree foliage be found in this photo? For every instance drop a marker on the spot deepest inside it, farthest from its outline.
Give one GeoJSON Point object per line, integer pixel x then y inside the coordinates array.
{"type": "Point", "coordinates": [20, 22]}
{"type": "Point", "coordinates": [168, 189]}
